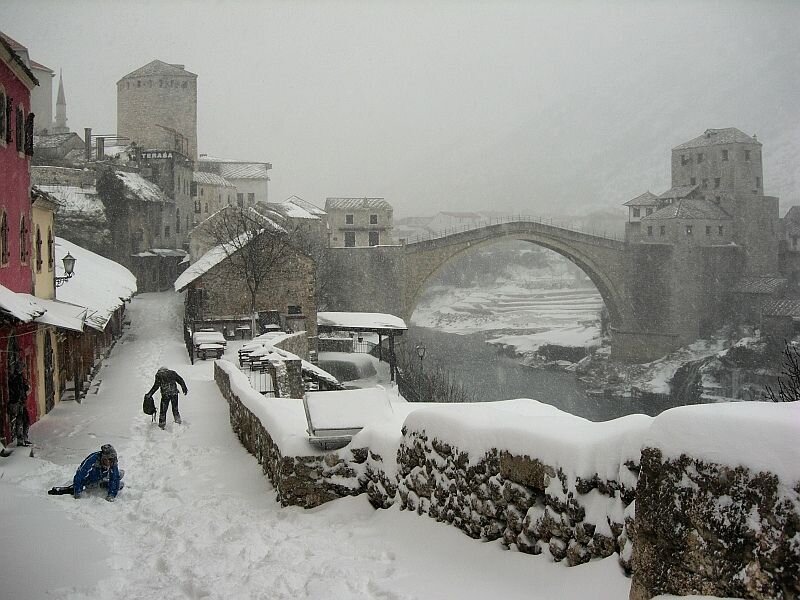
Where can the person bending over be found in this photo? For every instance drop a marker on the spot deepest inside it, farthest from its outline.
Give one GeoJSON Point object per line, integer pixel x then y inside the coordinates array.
{"type": "Point", "coordinates": [167, 381]}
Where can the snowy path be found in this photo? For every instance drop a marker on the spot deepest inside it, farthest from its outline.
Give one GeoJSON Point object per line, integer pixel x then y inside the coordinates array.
{"type": "Point", "coordinates": [197, 518]}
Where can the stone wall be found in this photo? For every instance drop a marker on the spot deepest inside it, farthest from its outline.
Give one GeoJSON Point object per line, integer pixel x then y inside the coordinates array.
{"type": "Point", "coordinates": [520, 499]}
{"type": "Point", "coordinates": [707, 528]}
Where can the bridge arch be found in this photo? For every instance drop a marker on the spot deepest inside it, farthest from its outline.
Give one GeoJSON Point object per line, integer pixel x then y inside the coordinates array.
{"type": "Point", "coordinates": [598, 257]}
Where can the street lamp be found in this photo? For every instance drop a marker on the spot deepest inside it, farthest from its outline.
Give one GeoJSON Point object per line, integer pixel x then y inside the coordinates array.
{"type": "Point", "coordinates": [420, 349]}
{"type": "Point", "coordinates": [69, 267]}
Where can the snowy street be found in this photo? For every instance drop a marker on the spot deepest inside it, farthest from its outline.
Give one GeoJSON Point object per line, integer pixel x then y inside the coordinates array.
{"type": "Point", "coordinates": [198, 519]}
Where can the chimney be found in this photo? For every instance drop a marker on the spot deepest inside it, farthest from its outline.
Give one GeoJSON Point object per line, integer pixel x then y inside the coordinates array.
{"type": "Point", "coordinates": [101, 148]}
{"type": "Point", "coordinates": [87, 142]}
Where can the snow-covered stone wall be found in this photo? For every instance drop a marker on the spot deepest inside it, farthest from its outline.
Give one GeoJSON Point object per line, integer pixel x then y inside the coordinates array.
{"type": "Point", "coordinates": [718, 503]}
{"type": "Point", "coordinates": [700, 500]}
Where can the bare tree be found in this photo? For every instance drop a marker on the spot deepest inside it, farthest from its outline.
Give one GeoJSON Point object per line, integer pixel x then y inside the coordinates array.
{"type": "Point", "coordinates": [258, 250]}
{"type": "Point", "coordinates": [789, 381]}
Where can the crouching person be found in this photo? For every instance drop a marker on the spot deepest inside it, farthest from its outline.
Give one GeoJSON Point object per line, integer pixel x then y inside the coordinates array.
{"type": "Point", "coordinates": [99, 469]}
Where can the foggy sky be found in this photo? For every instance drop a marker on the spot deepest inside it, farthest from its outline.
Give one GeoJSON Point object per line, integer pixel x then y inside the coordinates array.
{"type": "Point", "coordinates": [531, 107]}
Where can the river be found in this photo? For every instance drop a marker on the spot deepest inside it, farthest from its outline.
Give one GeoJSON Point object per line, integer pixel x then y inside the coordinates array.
{"type": "Point", "coordinates": [490, 376]}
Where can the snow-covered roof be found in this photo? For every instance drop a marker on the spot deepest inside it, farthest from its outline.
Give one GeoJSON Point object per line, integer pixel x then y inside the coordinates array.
{"type": "Point", "coordinates": [140, 188]}
{"type": "Point", "coordinates": [75, 200]}
{"type": "Point", "coordinates": [210, 179]}
{"type": "Point", "coordinates": [759, 285]}
{"type": "Point", "coordinates": [358, 320]}
{"type": "Point", "coordinates": [162, 252]}
{"type": "Point", "coordinates": [357, 203]}
{"type": "Point", "coordinates": [689, 208]}
{"type": "Point", "coordinates": [61, 314]}
{"type": "Point", "coordinates": [712, 137]}
{"type": "Point", "coordinates": [236, 169]}
{"type": "Point", "coordinates": [297, 208]}
{"type": "Point", "coordinates": [646, 199]}
{"type": "Point", "coordinates": [53, 140]}
{"type": "Point", "coordinates": [209, 260]}
{"type": "Point", "coordinates": [99, 284]}
{"type": "Point", "coordinates": [20, 306]}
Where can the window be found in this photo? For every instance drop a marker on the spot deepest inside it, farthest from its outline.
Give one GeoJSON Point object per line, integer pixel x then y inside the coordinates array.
{"type": "Point", "coordinates": [717, 199]}
{"type": "Point", "coordinates": [177, 220]}
{"type": "Point", "coordinates": [374, 238]}
{"type": "Point", "coordinates": [636, 212]}
{"type": "Point", "coordinates": [693, 181]}
{"type": "Point", "coordinates": [663, 230]}
{"type": "Point", "coordinates": [725, 155]}
{"type": "Point", "coordinates": [705, 184]}
{"type": "Point", "coordinates": [708, 229]}
{"type": "Point", "coordinates": [650, 230]}
{"type": "Point", "coordinates": [684, 160]}
{"type": "Point", "coordinates": [38, 251]}
{"type": "Point", "coordinates": [206, 207]}
{"type": "Point", "coordinates": [649, 211]}
{"type": "Point", "coordinates": [2, 117]}
{"type": "Point", "coordinates": [349, 239]}
{"type": "Point", "coordinates": [251, 199]}
{"type": "Point", "coordinates": [716, 182]}
{"type": "Point", "coordinates": [348, 219]}
{"type": "Point", "coordinates": [23, 240]}
{"type": "Point", "coordinates": [747, 154]}
{"type": "Point", "coordinates": [240, 200]}
{"type": "Point", "coordinates": [699, 157]}
{"type": "Point", "coordinates": [4, 250]}
{"type": "Point", "coordinates": [719, 229]}
{"type": "Point", "coordinates": [688, 230]}
{"type": "Point", "coordinates": [758, 182]}
{"type": "Point", "coordinates": [201, 191]}
{"type": "Point", "coordinates": [51, 250]}
{"type": "Point", "coordinates": [20, 130]}
{"type": "Point", "coordinates": [166, 230]}
{"type": "Point", "coordinates": [373, 219]}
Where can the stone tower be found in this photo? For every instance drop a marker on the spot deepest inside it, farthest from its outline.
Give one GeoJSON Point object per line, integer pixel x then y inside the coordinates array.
{"type": "Point", "coordinates": [725, 165]}
{"type": "Point", "coordinates": [60, 124]}
{"type": "Point", "coordinates": [157, 108]}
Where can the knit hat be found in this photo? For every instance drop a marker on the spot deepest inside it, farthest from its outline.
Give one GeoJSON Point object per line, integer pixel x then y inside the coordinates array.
{"type": "Point", "coordinates": [107, 451]}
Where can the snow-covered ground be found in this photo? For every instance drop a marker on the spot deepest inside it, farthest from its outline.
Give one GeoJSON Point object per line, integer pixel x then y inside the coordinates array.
{"type": "Point", "coordinates": [198, 519]}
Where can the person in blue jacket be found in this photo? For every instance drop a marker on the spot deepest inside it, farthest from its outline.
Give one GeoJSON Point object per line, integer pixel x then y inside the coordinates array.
{"type": "Point", "coordinates": [99, 469]}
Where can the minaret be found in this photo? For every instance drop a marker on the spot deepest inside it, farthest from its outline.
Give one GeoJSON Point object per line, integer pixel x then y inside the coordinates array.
{"type": "Point", "coordinates": [60, 125]}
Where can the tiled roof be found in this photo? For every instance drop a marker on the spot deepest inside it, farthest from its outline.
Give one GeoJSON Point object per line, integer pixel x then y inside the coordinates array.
{"type": "Point", "coordinates": [234, 169]}
{"type": "Point", "coordinates": [462, 215]}
{"type": "Point", "coordinates": [783, 307]}
{"type": "Point", "coordinates": [713, 137]}
{"type": "Point", "coordinates": [53, 140]}
{"type": "Point", "coordinates": [210, 179]}
{"type": "Point", "coordinates": [16, 57]}
{"type": "Point", "coordinates": [679, 191]}
{"type": "Point", "coordinates": [646, 199]}
{"type": "Point", "coordinates": [759, 285]}
{"type": "Point", "coordinates": [689, 208]}
{"type": "Point", "coordinates": [40, 66]}
{"type": "Point", "coordinates": [305, 204]}
{"type": "Point", "coordinates": [15, 45]}
{"type": "Point", "coordinates": [793, 214]}
{"type": "Point", "coordinates": [356, 203]}
{"type": "Point", "coordinates": [158, 67]}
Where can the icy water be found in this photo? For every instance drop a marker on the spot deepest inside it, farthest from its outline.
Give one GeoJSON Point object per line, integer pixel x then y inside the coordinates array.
{"type": "Point", "coordinates": [491, 376]}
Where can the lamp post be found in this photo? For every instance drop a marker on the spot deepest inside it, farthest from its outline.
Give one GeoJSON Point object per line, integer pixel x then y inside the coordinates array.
{"type": "Point", "coordinates": [420, 349]}
{"type": "Point", "coordinates": [69, 267]}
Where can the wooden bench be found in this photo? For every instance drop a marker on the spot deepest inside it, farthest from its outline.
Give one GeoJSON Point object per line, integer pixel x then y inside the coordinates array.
{"type": "Point", "coordinates": [213, 350]}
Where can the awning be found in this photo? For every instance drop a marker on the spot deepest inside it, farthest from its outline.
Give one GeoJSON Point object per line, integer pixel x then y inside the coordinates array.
{"type": "Point", "coordinates": [60, 314]}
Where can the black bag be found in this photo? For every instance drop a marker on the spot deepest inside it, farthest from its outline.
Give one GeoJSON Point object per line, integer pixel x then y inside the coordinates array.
{"type": "Point", "coordinates": [149, 405]}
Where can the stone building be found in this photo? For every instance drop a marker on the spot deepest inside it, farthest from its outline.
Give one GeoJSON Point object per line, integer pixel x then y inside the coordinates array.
{"type": "Point", "coordinates": [157, 108]}
{"type": "Point", "coordinates": [358, 222]}
{"type": "Point", "coordinates": [250, 178]}
{"type": "Point", "coordinates": [171, 171]}
{"type": "Point", "coordinates": [210, 193]}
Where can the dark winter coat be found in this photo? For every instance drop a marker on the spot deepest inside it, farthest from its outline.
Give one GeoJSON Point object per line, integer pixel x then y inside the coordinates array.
{"type": "Point", "coordinates": [17, 388]}
{"type": "Point", "coordinates": [92, 471]}
{"type": "Point", "coordinates": [167, 381]}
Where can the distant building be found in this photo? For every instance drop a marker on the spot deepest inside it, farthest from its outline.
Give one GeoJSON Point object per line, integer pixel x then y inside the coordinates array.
{"type": "Point", "coordinates": [716, 199]}
{"type": "Point", "coordinates": [301, 216]}
{"type": "Point", "coordinates": [250, 178]}
{"type": "Point", "coordinates": [357, 222]}
{"type": "Point", "coordinates": [42, 94]}
{"type": "Point", "coordinates": [60, 123]}
{"type": "Point", "coordinates": [157, 108]}
{"type": "Point", "coordinates": [55, 148]}
{"type": "Point", "coordinates": [210, 193]}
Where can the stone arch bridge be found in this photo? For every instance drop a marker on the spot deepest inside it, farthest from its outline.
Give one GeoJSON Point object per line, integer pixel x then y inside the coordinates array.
{"type": "Point", "coordinates": [658, 297]}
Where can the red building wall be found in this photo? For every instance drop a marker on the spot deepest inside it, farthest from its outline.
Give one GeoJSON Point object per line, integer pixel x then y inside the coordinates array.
{"type": "Point", "coordinates": [17, 341]}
